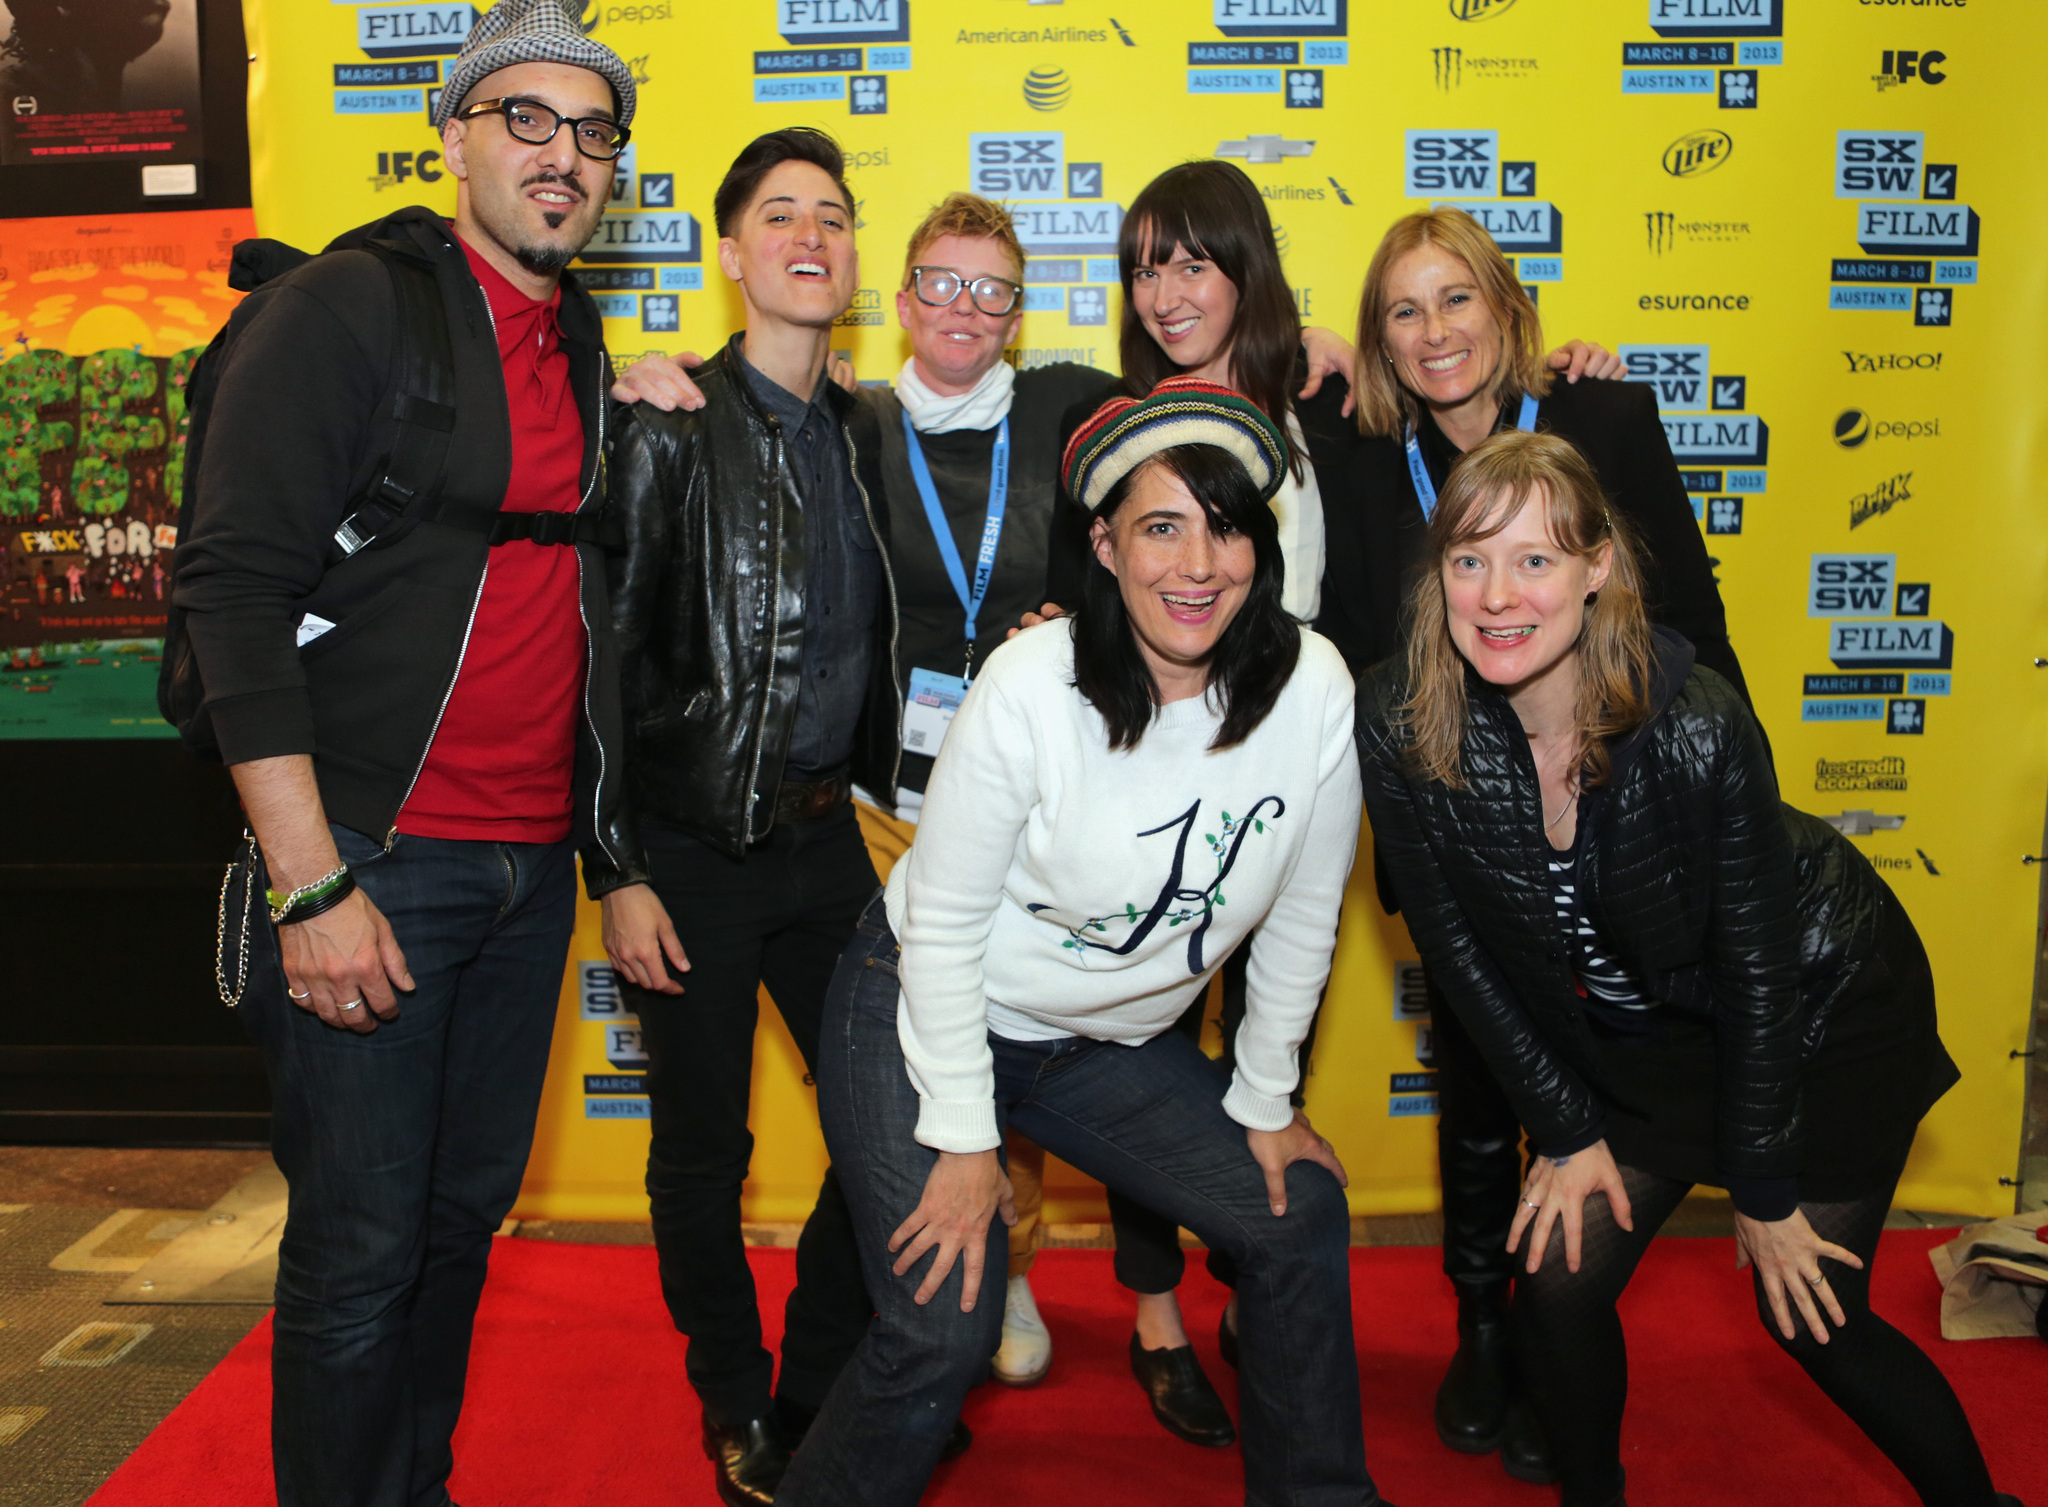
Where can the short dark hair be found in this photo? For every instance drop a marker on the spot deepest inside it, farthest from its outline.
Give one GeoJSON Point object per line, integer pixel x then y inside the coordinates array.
{"type": "Point", "coordinates": [762, 156]}
{"type": "Point", "coordinates": [1256, 654]}
{"type": "Point", "coordinates": [1215, 213]}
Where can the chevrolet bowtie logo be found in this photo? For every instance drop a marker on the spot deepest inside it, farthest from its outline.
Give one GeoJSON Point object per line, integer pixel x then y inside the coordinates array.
{"type": "Point", "coordinates": [1264, 148]}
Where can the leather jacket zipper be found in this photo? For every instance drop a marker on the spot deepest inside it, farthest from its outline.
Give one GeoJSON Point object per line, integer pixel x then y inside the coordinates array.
{"type": "Point", "coordinates": [774, 617]}
{"type": "Point", "coordinates": [895, 615]}
{"type": "Point", "coordinates": [589, 642]}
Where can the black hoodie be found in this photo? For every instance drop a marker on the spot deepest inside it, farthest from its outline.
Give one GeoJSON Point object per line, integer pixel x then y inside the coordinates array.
{"type": "Point", "coordinates": [300, 427]}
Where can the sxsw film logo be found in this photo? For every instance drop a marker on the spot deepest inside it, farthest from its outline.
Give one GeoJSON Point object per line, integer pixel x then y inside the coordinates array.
{"type": "Point", "coordinates": [645, 237]}
{"type": "Point", "coordinates": [1304, 88]}
{"type": "Point", "coordinates": [1460, 162]}
{"type": "Point", "coordinates": [1017, 164]}
{"type": "Point", "coordinates": [1698, 152]}
{"type": "Point", "coordinates": [413, 31]}
{"type": "Point", "coordinates": [1850, 585]}
{"type": "Point", "coordinates": [1923, 644]}
{"type": "Point", "coordinates": [1887, 229]}
{"type": "Point", "coordinates": [844, 22]}
{"type": "Point", "coordinates": [1717, 18]}
{"type": "Point", "coordinates": [1738, 88]}
{"type": "Point", "coordinates": [1934, 306]}
{"type": "Point", "coordinates": [1677, 374]}
{"type": "Point", "coordinates": [868, 94]}
{"type": "Point", "coordinates": [1516, 226]}
{"type": "Point", "coordinates": [1903, 67]}
{"type": "Point", "coordinates": [1878, 164]}
{"type": "Point", "coordinates": [1279, 18]}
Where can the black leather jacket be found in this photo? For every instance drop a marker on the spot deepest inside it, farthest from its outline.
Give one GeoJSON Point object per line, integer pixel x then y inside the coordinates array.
{"type": "Point", "coordinates": [708, 599]}
{"type": "Point", "coordinates": [1727, 904]}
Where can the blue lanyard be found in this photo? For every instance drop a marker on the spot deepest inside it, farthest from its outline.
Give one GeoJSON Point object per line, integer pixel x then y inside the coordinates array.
{"type": "Point", "coordinates": [942, 531]}
{"type": "Point", "coordinates": [1425, 489]}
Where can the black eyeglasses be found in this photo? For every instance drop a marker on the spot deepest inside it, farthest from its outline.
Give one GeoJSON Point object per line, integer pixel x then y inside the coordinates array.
{"type": "Point", "coordinates": [939, 286]}
{"type": "Point", "coordinates": [534, 123]}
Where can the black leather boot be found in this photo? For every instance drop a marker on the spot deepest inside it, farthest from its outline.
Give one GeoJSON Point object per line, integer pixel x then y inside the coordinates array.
{"type": "Point", "coordinates": [747, 1460]}
{"type": "Point", "coordinates": [1472, 1403]}
{"type": "Point", "coordinates": [1183, 1401]}
{"type": "Point", "coordinates": [1524, 1448]}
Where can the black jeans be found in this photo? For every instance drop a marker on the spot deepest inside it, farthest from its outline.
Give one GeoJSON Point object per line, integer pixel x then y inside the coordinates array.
{"type": "Point", "coordinates": [1148, 1119]}
{"type": "Point", "coordinates": [779, 916]}
{"type": "Point", "coordinates": [403, 1149]}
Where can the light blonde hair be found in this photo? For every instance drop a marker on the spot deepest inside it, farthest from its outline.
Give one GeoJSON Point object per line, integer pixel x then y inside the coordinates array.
{"type": "Point", "coordinates": [1487, 488]}
{"type": "Point", "coordinates": [965, 215]}
{"type": "Point", "coordinates": [1385, 407]}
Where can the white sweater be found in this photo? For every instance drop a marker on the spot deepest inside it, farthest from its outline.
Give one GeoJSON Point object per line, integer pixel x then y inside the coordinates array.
{"type": "Point", "coordinates": [1058, 888]}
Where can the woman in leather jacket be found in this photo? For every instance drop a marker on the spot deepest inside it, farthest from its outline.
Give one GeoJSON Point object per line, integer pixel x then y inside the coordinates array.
{"type": "Point", "coordinates": [1676, 978]}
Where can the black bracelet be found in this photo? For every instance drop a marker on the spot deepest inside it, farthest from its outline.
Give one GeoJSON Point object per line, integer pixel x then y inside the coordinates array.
{"type": "Point", "coordinates": [306, 910]}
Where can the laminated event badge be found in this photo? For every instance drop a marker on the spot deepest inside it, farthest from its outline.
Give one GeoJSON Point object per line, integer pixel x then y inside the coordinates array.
{"type": "Point", "coordinates": [928, 710]}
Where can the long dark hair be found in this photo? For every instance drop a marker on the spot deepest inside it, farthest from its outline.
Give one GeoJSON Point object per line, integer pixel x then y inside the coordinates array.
{"type": "Point", "coordinates": [1212, 211]}
{"type": "Point", "coordinates": [1255, 654]}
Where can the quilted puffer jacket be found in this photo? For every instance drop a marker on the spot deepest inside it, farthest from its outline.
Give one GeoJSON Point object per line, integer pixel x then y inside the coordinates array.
{"type": "Point", "coordinates": [1725, 903]}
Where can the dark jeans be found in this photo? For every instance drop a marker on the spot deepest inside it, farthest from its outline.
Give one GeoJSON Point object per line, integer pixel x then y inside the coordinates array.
{"type": "Point", "coordinates": [1148, 1254]}
{"type": "Point", "coordinates": [1479, 1156]}
{"type": "Point", "coordinates": [779, 916]}
{"type": "Point", "coordinates": [403, 1149]}
{"type": "Point", "coordinates": [1147, 1119]}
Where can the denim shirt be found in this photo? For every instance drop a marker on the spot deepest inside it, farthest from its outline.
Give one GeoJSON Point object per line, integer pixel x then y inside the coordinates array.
{"type": "Point", "coordinates": [842, 576]}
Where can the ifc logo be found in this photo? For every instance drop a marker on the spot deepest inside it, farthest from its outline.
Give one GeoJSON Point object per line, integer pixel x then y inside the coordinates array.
{"type": "Point", "coordinates": [1852, 428]}
{"type": "Point", "coordinates": [1698, 152]}
{"type": "Point", "coordinates": [1047, 88]}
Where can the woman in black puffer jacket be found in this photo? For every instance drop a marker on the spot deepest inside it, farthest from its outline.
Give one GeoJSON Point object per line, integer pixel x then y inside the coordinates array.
{"type": "Point", "coordinates": [1676, 978]}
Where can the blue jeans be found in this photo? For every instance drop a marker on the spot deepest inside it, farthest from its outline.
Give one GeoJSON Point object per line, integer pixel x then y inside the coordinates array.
{"type": "Point", "coordinates": [403, 1149]}
{"type": "Point", "coordinates": [1147, 1120]}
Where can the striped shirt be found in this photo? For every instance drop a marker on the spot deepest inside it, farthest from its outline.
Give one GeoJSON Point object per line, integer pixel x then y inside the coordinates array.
{"type": "Point", "coordinates": [1611, 992]}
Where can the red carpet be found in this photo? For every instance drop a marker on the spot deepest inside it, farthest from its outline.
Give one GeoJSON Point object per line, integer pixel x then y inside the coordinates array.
{"type": "Point", "coordinates": [577, 1396]}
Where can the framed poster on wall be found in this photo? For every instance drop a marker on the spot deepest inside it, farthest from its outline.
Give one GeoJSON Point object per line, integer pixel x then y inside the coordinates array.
{"type": "Point", "coordinates": [100, 79]}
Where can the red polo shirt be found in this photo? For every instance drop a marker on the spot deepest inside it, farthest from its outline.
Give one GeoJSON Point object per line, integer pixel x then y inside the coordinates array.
{"type": "Point", "coordinates": [502, 759]}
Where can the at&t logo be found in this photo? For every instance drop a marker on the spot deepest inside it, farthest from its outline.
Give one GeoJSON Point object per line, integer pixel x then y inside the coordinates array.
{"type": "Point", "coordinates": [1047, 88]}
{"type": "Point", "coordinates": [1698, 152]}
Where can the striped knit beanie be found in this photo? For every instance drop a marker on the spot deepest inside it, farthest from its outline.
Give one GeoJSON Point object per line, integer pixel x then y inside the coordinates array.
{"type": "Point", "coordinates": [1124, 433]}
{"type": "Point", "coordinates": [532, 31]}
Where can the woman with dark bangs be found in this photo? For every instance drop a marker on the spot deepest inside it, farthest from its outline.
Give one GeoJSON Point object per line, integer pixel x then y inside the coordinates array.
{"type": "Point", "coordinates": [1675, 977]}
{"type": "Point", "coordinates": [1124, 797]}
{"type": "Point", "coordinates": [1205, 297]}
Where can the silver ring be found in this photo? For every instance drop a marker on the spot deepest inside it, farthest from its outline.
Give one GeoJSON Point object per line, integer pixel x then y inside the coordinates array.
{"type": "Point", "coordinates": [1816, 1279]}
{"type": "Point", "coordinates": [1531, 1203]}
{"type": "Point", "coordinates": [353, 1005]}
{"type": "Point", "coordinates": [289, 995]}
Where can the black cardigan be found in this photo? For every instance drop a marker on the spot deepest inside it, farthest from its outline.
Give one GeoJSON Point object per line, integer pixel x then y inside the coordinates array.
{"type": "Point", "coordinates": [1731, 907]}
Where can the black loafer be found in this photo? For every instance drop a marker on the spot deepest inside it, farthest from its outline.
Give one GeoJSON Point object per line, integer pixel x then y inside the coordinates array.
{"type": "Point", "coordinates": [1472, 1402]}
{"type": "Point", "coordinates": [747, 1460]}
{"type": "Point", "coordinates": [1226, 1339]}
{"type": "Point", "coordinates": [1524, 1449]}
{"type": "Point", "coordinates": [1186, 1406]}
{"type": "Point", "coordinates": [956, 1442]}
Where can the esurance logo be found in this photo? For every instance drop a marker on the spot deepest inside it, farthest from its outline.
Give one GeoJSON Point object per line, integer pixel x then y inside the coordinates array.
{"type": "Point", "coordinates": [1878, 164]}
{"type": "Point", "coordinates": [1017, 164]}
{"type": "Point", "coordinates": [1698, 152]}
{"type": "Point", "coordinates": [1279, 18]}
{"type": "Point", "coordinates": [1453, 162]}
{"type": "Point", "coordinates": [842, 22]}
{"type": "Point", "coordinates": [1717, 18]}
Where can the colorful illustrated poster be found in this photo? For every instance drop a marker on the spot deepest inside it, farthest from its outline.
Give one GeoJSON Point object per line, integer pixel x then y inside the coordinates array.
{"type": "Point", "coordinates": [98, 79]}
{"type": "Point", "coordinates": [101, 318]}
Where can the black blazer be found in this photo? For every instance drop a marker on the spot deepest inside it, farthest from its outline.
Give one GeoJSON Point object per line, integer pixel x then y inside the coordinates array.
{"type": "Point", "coordinates": [1374, 534]}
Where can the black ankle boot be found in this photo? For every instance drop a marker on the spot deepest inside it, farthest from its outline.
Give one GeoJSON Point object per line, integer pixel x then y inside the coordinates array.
{"type": "Point", "coordinates": [747, 1460]}
{"type": "Point", "coordinates": [1524, 1448]}
{"type": "Point", "coordinates": [1182, 1399]}
{"type": "Point", "coordinates": [1472, 1403]}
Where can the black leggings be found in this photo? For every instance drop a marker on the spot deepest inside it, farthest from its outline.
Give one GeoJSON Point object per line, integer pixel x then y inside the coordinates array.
{"type": "Point", "coordinates": [1569, 1342]}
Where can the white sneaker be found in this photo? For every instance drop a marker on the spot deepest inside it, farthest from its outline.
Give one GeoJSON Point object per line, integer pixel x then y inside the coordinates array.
{"type": "Point", "coordinates": [1026, 1353]}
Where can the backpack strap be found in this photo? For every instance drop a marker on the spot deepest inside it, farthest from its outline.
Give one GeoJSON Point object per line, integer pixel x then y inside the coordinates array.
{"type": "Point", "coordinates": [423, 408]}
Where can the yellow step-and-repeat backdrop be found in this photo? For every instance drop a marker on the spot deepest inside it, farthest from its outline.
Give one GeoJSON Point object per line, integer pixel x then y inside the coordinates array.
{"type": "Point", "coordinates": [1816, 227]}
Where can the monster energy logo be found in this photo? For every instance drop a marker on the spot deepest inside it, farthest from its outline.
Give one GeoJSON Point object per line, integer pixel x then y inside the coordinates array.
{"type": "Point", "coordinates": [1659, 224]}
{"type": "Point", "coordinates": [1450, 67]}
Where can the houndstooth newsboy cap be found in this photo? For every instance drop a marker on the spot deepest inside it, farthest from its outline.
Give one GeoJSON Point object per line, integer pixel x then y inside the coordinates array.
{"type": "Point", "coordinates": [531, 31]}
